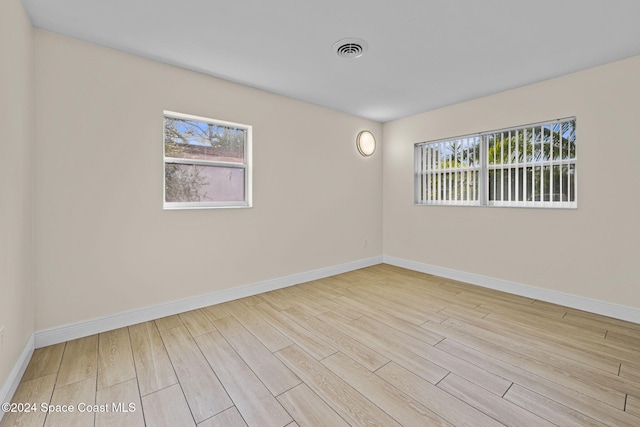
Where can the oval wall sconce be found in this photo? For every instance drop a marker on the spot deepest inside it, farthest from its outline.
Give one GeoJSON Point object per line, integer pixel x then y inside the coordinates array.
{"type": "Point", "coordinates": [366, 143]}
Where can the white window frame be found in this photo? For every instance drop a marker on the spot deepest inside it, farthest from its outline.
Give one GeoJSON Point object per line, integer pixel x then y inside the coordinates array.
{"type": "Point", "coordinates": [246, 165]}
{"type": "Point", "coordinates": [442, 181]}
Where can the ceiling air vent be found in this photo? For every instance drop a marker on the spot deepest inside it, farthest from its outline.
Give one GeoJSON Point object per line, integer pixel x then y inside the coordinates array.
{"type": "Point", "coordinates": [350, 48]}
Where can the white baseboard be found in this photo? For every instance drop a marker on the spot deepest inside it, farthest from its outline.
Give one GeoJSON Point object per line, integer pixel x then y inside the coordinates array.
{"type": "Point", "coordinates": [621, 312]}
{"type": "Point", "coordinates": [11, 384]}
{"type": "Point", "coordinates": [85, 328]}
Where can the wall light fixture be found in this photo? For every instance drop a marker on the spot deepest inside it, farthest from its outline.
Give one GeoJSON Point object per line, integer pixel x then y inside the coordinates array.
{"type": "Point", "coordinates": [366, 143]}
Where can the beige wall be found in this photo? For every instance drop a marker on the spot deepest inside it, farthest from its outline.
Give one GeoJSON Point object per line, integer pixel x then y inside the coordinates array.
{"type": "Point", "coordinates": [16, 85]}
{"type": "Point", "coordinates": [590, 252]}
{"type": "Point", "coordinates": [104, 244]}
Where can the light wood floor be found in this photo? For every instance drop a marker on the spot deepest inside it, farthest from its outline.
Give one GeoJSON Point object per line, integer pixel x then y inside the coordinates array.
{"type": "Point", "coordinates": [378, 346]}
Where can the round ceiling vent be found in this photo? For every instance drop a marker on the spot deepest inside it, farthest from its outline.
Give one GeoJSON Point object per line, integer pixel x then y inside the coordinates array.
{"type": "Point", "coordinates": [350, 48]}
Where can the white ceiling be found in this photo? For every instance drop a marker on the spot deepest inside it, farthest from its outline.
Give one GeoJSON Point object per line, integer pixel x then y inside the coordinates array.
{"type": "Point", "coordinates": [423, 54]}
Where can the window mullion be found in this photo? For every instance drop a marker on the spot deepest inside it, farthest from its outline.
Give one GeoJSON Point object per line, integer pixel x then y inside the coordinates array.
{"type": "Point", "coordinates": [483, 185]}
{"type": "Point", "coordinates": [185, 161]}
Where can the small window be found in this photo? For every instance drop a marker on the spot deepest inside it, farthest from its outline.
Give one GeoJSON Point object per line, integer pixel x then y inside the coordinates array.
{"type": "Point", "coordinates": [207, 163]}
{"type": "Point", "coordinates": [528, 166]}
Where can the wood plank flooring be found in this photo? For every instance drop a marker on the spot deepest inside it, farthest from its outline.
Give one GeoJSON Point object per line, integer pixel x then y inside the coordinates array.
{"type": "Point", "coordinates": [381, 346]}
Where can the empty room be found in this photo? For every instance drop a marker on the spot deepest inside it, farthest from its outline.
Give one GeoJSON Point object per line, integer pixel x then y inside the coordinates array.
{"type": "Point", "coordinates": [355, 213]}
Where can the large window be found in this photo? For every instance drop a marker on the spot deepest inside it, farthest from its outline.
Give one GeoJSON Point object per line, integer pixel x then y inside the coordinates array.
{"type": "Point", "coordinates": [207, 163]}
{"type": "Point", "coordinates": [528, 166]}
